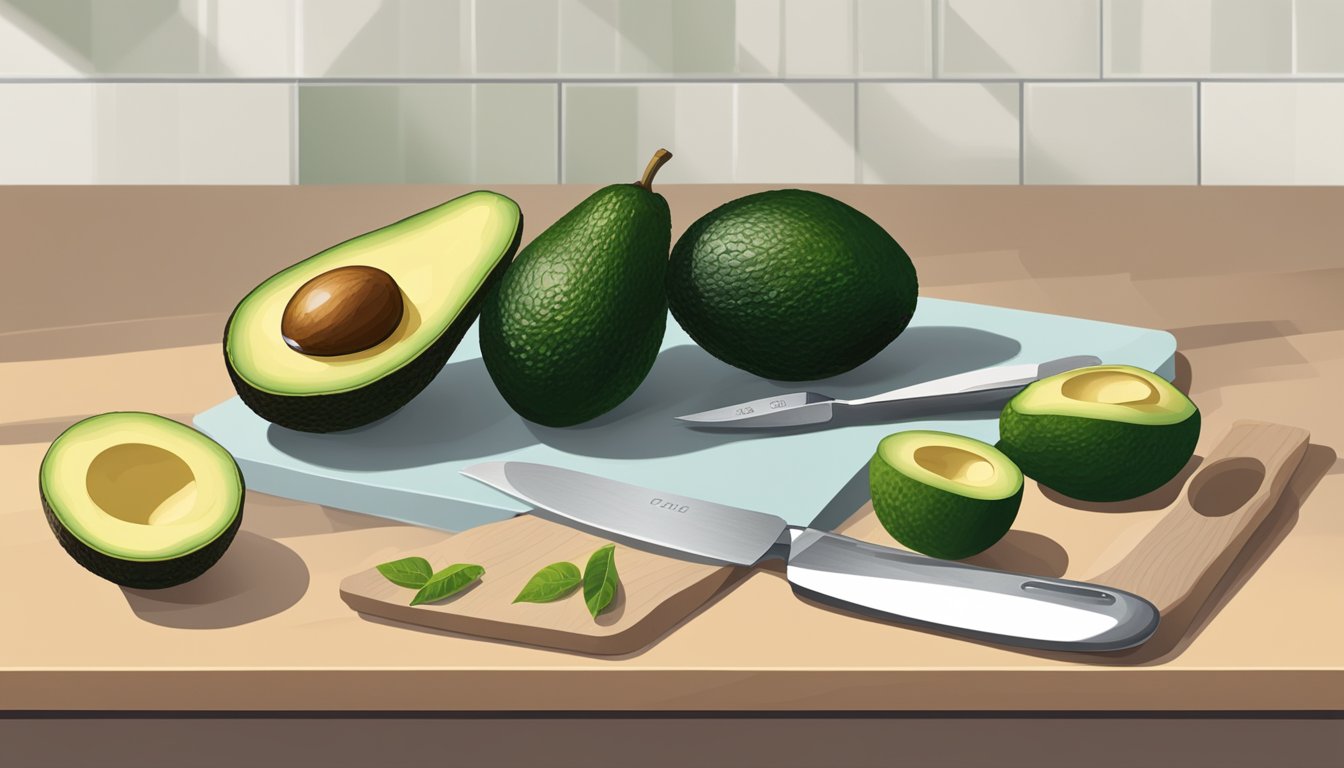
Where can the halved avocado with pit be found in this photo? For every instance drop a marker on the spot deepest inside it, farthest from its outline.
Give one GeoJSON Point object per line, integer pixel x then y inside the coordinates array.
{"type": "Point", "coordinates": [141, 500]}
{"type": "Point", "coordinates": [941, 494]}
{"type": "Point", "coordinates": [443, 260]}
{"type": "Point", "coordinates": [1102, 433]}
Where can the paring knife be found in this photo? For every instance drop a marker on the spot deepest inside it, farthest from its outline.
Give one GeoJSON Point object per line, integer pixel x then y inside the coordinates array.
{"type": "Point", "coordinates": [981, 603]}
{"type": "Point", "coordinates": [801, 408]}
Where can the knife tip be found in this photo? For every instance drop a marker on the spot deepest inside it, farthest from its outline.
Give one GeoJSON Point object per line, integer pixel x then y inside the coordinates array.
{"type": "Point", "coordinates": [488, 472]}
{"type": "Point", "coordinates": [690, 418]}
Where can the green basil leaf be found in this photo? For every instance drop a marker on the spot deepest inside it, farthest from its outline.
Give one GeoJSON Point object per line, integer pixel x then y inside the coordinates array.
{"type": "Point", "coordinates": [600, 580]}
{"type": "Point", "coordinates": [411, 572]}
{"type": "Point", "coordinates": [447, 582]}
{"type": "Point", "coordinates": [550, 583]}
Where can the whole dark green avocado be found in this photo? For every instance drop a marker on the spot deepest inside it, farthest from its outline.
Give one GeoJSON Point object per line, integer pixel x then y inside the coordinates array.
{"type": "Point", "coordinates": [790, 285]}
{"type": "Point", "coordinates": [575, 324]}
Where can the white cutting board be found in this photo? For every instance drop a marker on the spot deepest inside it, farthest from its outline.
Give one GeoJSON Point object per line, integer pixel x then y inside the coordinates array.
{"type": "Point", "coordinates": [405, 467]}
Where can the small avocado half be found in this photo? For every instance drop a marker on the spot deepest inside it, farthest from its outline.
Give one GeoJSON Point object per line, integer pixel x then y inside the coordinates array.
{"type": "Point", "coordinates": [1102, 433]}
{"type": "Point", "coordinates": [141, 500]}
{"type": "Point", "coordinates": [942, 494]}
{"type": "Point", "coordinates": [443, 259]}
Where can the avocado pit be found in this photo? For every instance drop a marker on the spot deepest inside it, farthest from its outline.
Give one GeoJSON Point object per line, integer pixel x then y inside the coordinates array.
{"type": "Point", "coordinates": [342, 311]}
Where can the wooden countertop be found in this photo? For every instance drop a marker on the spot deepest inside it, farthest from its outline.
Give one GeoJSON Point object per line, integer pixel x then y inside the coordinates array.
{"type": "Point", "coordinates": [114, 299]}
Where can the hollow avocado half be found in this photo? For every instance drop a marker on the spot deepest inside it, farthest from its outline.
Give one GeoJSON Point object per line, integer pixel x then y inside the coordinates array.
{"type": "Point", "coordinates": [141, 500]}
{"type": "Point", "coordinates": [1102, 433]}
{"type": "Point", "coordinates": [941, 494]}
{"type": "Point", "coordinates": [443, 259]}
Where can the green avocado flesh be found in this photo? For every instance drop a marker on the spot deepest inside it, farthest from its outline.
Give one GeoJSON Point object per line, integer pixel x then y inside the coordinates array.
{"type": "Point", "coordinates": [1104, 433]}
{"type": "Point", "coordinates": [443, 259]}
{"type": "Point", "coordinates": [575, 325]}
{"type": "Point", "coordinates": [941, 494]}
{"type": "Point", "coordinates": [141, 500]}
{"type": "Point", "coordinates": [790, 285]}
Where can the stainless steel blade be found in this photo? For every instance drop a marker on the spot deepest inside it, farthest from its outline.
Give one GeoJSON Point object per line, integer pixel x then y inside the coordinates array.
{"type": "Point", "coordinates": [867, 578]}
{"type": "Point", "coordinates": [982, 602]}
{"type": "Point", "coordinates": [802, 408]}
{"type": "Point", "coordinates": [795, 409]}
{"type": "Point", "coordinates": [693, 526]}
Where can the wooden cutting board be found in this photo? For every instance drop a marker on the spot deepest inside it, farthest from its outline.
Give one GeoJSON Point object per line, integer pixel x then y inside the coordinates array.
{"type": "Point", "coordinates": [1175, 565]}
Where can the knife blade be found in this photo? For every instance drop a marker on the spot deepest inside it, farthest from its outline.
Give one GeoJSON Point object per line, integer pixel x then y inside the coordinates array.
{"type": "Point", "coordinates": [802, 408]}
{"type": "Point", "coordinates": [884, 582]}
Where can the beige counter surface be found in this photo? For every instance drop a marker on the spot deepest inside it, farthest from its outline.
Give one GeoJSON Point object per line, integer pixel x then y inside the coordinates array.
{"type": "Point", "coordinates": [115, 298]}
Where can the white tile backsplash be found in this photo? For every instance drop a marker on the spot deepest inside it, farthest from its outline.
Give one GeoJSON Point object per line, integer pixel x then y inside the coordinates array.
{"type": "Point", "coordinates": [517, 38]}
{"type": "Point", "coordinates": [1198, 38]}
{"type": "Point", "coordinates": [794, 132]}
{"type": "Point", "coordinates": [654, 39]}
{"type": "Point", "coordinates": [894, 38]}
{"type": "Point", "coordinates": [1019, 38]}
{"type": "Point", "coordinates": [39, 38]}
{"type": "Point", "coordinates": [818, 38]}
{"type": "Point", "coordinates": [428, 133]}
{"type": "Point", "coordinates": [1109, 133]}
{"type": "Point", "coordinates": [590, 37]}
{"type": "Point", "coordinates": [385, 38]}
{"type": "Point", "coordinates": [197, 133]}
{"type": "Point", "coordinates": [251, 38]}
{"type": "Point", "coordinates": [758, 29]}
{"type": "Point", "coordinates": [48, 136]}
{"type": "Point", "coordinates": [611, 131]}
{"type": "Point", "coordinates": [145, 133]}
{"type": "Point", "coordinates": [1319, 29]}
{"type": "Point", "coordinates": [1273, 133]}
{"type": "Point", "coordinates": [717, 132]}
{"type": "Point", "coordinates": [148, 37]}
{"type": "Point", "coordinates": [938, 133]}
{"type": "Point", "coordinates": [774, 91]}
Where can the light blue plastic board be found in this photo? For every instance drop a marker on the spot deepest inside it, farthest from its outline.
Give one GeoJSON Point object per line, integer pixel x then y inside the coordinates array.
{"type": "Point", "coordinates": [405, 467]}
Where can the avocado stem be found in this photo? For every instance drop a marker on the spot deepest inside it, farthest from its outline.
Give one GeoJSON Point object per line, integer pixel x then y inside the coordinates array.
{"type": "Point", "coordinates": [659, 158]}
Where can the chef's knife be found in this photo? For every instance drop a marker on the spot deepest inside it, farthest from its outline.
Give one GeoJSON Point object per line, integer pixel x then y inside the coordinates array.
{"type": "Point", "coordinates": [802, 408]}
{"type": "Point", "coordinates": [982, 603]}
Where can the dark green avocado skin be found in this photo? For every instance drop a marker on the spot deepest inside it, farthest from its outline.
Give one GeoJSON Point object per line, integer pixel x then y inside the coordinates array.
{"type": "Point", "coordinates": [159, 574]}
{"type": "Point", "coordinates": [379, 398]}
{"type": "Point", "coordinates": [575, 326]}
{"type": "Point", "coordinates": [1096, 460]}
{"type": "Point", "coordinates": [790, 285]}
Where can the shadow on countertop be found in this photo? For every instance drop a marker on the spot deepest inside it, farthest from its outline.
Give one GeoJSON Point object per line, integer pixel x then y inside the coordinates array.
{"type": "Point", "coordinates": [461, 416]}
{"type": "Point", "coordinates": [256, 578]}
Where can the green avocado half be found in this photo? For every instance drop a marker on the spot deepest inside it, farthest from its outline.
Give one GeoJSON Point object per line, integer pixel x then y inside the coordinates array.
{"type": "Point", "coordinates": [443, 259]}
{"type": "Point", "coordinates": [1102, 433]}
{"type": "Point", "coordinates": [141, 500]}
{"type": "Point", "coordinates": [941, 494]}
